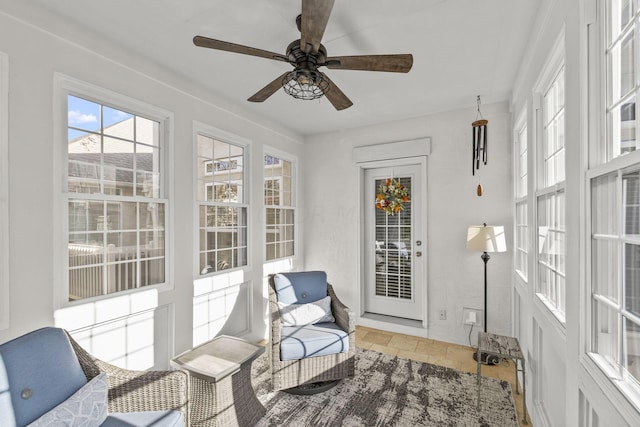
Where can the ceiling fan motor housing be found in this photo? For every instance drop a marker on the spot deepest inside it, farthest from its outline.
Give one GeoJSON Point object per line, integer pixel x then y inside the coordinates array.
{"type": "Point", "coordinates": [305, 82]}
{"type": "Point", "coordinates": [302, 59]}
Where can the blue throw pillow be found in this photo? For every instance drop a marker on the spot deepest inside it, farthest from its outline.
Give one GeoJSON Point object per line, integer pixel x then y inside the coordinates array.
{"type": "Point", "coordinates": [85, 407]}
{"type": "Point", "coordinates": [300, 287]}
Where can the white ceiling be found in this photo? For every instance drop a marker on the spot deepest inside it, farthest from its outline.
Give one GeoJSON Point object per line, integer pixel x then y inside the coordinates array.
{"type": "Point", "coordinates": [461, 49]}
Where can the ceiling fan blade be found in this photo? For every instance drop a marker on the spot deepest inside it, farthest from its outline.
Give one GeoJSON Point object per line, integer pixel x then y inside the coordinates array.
{"type": "Point", "coordinates": [315, 15]}
{"type": "Point", "coordinates": [269, 89]}
{"type": "Point", "coordinates": [237, 48]}
{"type": "Point", "coordinates": [401, 63]}
{"type": "Point", "coordinates": [335, 96]}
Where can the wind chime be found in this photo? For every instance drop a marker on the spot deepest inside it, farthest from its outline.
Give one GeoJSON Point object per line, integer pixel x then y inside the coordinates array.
{"type": "Point", "coordinates": [479, 148]}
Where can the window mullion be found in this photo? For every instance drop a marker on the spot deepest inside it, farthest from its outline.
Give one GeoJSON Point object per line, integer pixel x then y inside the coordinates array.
{"type": "Point", "coordinates": [620, 275]}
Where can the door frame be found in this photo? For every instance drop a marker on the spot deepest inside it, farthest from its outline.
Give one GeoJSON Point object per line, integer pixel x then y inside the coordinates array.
{"type": "Point", "coordinates": [388, 155]}
{"type": "Point", "coordinates": [386, 305]}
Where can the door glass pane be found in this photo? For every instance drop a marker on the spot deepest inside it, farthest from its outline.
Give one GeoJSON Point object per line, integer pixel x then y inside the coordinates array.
{"type": "Point", "coordinates": [393, 249]}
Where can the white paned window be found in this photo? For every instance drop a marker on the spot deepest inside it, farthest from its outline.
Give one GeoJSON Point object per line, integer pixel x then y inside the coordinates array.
{"type": "Point", "coordinates": [116, 196]}
{"type": "Point", "coordinates": [521, 226]}
{"type": "Point", "coordinates": [550, 195]}
{"type": "Point", "coordinates": [615, 270]}
{"type": "Point", "coordinates": [551, 246]}
{"type": "Point", "coordinates": [614, 228]}
{"type": "Point", "coordinates": [221, 187]}
{"type": "Point", "coordinates": [4, 191]}
{"type": "Point", "coordinates": [279, 208]}
{"type": "Point", "coordinates": [552, 149]}
{"type": "Point", "coordinates": [622, 78]}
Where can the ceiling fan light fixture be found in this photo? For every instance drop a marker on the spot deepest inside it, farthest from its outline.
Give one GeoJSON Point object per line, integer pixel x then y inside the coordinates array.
{"type": "Point", "coordinates": [305, 84]}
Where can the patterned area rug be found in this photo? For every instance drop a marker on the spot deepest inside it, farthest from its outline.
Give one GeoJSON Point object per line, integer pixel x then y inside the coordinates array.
{"type": "Point", "coordinates": [390, 391]}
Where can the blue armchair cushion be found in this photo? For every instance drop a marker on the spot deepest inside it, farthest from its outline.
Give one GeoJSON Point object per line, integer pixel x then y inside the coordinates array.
{"type": "Point", "coordinates": [299, 342]}
{"type": "Point", "coordinates": [300, 287]}
{"type": "Point", "coordinates": [38, 371]}
{"type": "Point", "coordinates": [85, 407]}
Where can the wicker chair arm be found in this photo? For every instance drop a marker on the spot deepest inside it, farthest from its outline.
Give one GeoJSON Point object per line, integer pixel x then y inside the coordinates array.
{"type": "Point", "coordinates": [275, 333]}
{"type": "Point", "coordinates": [345, 317]}
{"type": "Point", "coordinates": [131, 391]}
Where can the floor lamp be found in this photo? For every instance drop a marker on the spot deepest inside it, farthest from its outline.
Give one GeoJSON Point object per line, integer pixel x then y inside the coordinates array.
{"type": "Point", "coordinates": [486, 238]}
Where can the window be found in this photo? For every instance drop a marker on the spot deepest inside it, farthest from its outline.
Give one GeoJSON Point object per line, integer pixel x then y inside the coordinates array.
{"type": "Point", "coordinates": [116, 200]}
{"type": "Point", "coordinates": [4, 191]}
{"type": "Point", "coordinates": [279, 207]}
{"type": "Point", "coordinates": [614, 182]}
{"type": "Point", "coordinates": [550, 196]}
{"type": "Point", "coordinates": [521, 232]}
{"type": "Point", "coordinates": [622, 82]}
{"type": "Point", "coordinates": [220, 198]}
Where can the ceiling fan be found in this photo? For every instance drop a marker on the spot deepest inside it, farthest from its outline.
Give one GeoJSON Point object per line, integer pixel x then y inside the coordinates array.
{"type": "Point", "coordinates": [307, 54]}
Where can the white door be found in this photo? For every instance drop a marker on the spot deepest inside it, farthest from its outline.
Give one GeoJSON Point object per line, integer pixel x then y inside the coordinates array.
{"type": "Point", "coordinates": [395, 250]}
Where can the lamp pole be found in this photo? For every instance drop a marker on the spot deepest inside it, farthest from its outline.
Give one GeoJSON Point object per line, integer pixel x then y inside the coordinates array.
{"type": "Point", "coordinates": [485, 239]}
{"type": "Point", "coordinates": [485, 257]}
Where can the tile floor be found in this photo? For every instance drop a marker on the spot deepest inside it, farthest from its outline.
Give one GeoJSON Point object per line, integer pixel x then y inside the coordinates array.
{"type": "Point", "coordinates": [436, 352]}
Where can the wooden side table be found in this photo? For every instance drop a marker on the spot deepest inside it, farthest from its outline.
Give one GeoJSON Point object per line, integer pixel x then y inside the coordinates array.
{"type": "Point", "coordinates": [503, 347]}
{"type": "Point", "coordinates": [220, 390]}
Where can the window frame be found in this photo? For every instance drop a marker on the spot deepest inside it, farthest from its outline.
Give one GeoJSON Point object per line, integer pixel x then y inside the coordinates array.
{"type": "Point", "coordinates": [603, 162]}
{"type": "Point", "coordinates": [283, 156]}
{"type": "Point", "coordinates": [65, 86]}
{"type": "Point", "coordinates": [4, 191]}
{"type": "Point", "coordinates": [543, 190]}
{"type": "Point", "coordinates": [613, 372]}
{"type": "Point", "coordinates": [521, 199]}
{"type": "Point", "coordinates": [218, 134]}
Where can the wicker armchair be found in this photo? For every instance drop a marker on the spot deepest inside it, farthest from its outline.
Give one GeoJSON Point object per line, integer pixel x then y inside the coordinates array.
{"type": "Point", "coordinates": [137, 391]}
{"type": "Point", "coordinates": [287, 374]}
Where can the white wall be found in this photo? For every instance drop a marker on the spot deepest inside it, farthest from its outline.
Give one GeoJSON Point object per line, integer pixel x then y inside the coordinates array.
{"type": "Point", "coordinates": [35, 54]}
{"type": "Point", "coordinates": [455, 275]}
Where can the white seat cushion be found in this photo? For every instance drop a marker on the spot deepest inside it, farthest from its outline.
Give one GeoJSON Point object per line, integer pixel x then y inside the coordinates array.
{"type": "Point", "coordinates": [299, 342]}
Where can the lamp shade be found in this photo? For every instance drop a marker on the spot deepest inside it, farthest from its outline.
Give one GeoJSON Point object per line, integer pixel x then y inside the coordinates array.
{"type": "Point", "coordinates": [486, 238]}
